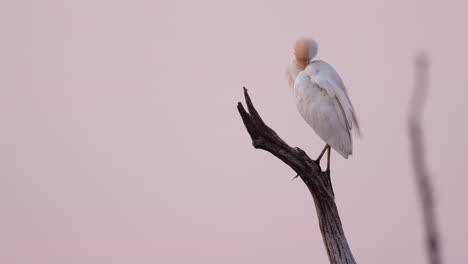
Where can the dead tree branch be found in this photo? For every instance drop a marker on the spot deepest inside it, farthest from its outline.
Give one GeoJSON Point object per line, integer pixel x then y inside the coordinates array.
{"type": "Point", "coordinates": [317, 181]}
{"type": "Point", "coordinates": [421, 173]}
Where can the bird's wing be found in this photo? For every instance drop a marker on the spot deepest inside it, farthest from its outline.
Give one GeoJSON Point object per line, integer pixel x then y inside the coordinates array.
{"type": "Point", "coordinates": [328, 79]}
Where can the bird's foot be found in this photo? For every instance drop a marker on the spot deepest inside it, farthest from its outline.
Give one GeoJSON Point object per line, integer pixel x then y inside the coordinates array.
{"type": "Point", "coordinates": [318, 161]}
{"type": "Point", "coordinates": [318, 164]}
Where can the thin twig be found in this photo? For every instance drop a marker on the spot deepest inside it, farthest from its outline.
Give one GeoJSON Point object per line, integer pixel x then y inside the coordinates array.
{"type": "Point", "coordinates": [423, 179]}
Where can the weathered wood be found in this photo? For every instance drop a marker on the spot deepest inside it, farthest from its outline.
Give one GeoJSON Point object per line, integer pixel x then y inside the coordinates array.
{"type": "Point", "coordinates": [317, 181]}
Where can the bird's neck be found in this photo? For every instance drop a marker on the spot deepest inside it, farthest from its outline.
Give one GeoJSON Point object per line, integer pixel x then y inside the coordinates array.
{"type": "Point", "coordinates": [302, 63]}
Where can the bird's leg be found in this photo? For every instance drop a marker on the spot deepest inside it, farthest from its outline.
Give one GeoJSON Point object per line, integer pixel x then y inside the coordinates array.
{"type": "Point", "coordinates": [321, 154]}
{"type": "Point", "coordinates": [328, 159]}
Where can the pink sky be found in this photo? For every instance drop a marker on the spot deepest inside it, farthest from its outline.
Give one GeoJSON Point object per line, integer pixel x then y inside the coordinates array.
{"type": "Point", "coordinates": [120, 141]}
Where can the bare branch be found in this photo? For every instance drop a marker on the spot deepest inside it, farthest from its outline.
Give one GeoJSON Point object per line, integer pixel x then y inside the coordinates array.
{"type": "Point", "coordinates": [421, 173]}
{"type": "Point", "coordinates": [317, 181]}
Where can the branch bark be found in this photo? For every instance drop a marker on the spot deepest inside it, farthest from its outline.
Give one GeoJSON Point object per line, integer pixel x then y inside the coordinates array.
{"type": "Point", "coordinates": [420, 170]}
{"type": "Point", "coordinates": [317, 181]}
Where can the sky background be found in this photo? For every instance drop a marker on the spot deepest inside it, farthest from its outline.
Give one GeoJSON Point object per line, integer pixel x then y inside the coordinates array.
{"type": "Point", "coordinates": [120, 140]}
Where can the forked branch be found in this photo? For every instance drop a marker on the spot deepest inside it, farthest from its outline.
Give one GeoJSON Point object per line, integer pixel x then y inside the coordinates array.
{"type": "Point", "coordinates": [317, 181]}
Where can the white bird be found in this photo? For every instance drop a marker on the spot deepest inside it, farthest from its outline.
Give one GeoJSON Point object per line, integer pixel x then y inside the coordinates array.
{"type": "Point", "coordinates": [322, 99]}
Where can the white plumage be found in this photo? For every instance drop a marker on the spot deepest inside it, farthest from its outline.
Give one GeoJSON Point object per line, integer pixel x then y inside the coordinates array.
{"type": "Point", "coordinates": [321, 98]}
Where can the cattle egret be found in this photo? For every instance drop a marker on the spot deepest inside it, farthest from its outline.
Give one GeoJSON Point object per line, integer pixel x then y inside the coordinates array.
{"type": "Point", "coordinates": [322, 99]}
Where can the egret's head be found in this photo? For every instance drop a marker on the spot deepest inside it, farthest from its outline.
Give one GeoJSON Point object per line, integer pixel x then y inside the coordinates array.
{"type": "Point", "coordinates": [304, 51]}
